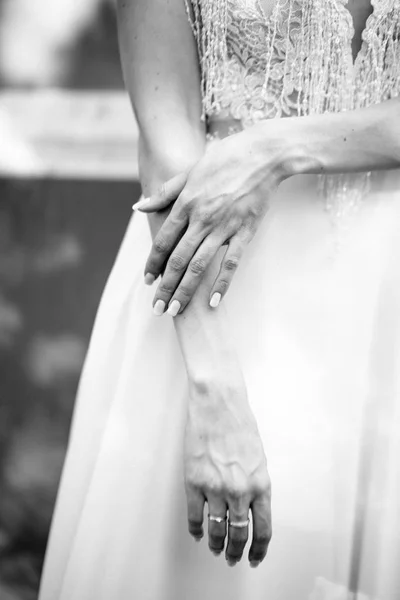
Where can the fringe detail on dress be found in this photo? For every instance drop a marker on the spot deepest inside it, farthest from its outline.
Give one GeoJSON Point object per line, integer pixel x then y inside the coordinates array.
{"type": "Point", "coordinates": [303, 54]}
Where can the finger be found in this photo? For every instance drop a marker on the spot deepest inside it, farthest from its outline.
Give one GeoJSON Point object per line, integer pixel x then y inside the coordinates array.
{"type": "Point", "coordinates": [186, 282]}
{"type": "Point", "coordinates": [175, 268]}
{"type": "Point", "coordinates": [217, 509]}
{"type": "Point", "coordinates": [262, 529]}
{"type": "Point", "coordinates": [238, 533]}
{"type": "Point", "coordinates": [227, 271]}
{"type": "Point", "coordinates": [167, 193]}
{"type": "Point", "coordinates": [195, 507]}
{"type": "Point", "coordinates": [163, 244]}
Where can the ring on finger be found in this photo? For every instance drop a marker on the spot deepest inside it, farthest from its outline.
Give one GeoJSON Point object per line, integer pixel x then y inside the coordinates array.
{"type": "Point", "coordinates": [217, 519]}
{"type": "Point", "coordinates": [239, 524]}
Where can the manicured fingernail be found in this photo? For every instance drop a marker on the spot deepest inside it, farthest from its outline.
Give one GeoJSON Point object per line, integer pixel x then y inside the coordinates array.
{"type": "Point", "coordinates": [140, 204]}
{"type": "Point", "coordinates": [159, 308]}
{"type": "Point", "coordinates": [174, 308]}
{"type": "Point", "coordinates": [149, 279]}
{"type": "Point", "coordinates": [254, 564]}
{"type": "Point", "coordinates": [215, 300]}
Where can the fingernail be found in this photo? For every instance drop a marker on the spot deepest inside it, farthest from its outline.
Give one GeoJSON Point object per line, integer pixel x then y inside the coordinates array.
{"type": "Point", "coordinates": [159, 308]}
{"type": "Point", "coordinates": [198, 539]}
{"type": "Point", "coordinates": [140, 204]}
{"type": "Point", "coordinates": [254, 564]}
{"type": "Point", "coordinates": [149, 279]}
{"type": "Point", "coordinates": [215, 300]}
{"type": "Point", "coordinates": [231, 563]}
{"type": "Point", "coordinates": [173, 308]}
{"type": "Point", "coordinates": [216, 553]}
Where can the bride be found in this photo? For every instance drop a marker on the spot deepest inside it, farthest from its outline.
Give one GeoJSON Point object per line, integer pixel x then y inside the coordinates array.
{"type": "Point", "coordinates": [275, 122]}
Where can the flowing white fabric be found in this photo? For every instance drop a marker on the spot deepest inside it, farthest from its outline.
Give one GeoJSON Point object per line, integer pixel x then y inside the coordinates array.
{"type": "Point", "coordinates": [318, 331]}
{"type": "Point", "coordinates": [315, 312]}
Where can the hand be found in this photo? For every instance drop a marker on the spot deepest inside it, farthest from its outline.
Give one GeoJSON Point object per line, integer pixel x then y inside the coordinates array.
{"type": "Point", "coordinates": [225, 466]}
{"type": "Point", "coordinates": [221, 200]}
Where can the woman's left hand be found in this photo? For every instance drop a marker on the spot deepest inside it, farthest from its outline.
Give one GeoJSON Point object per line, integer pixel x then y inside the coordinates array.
{"type": "Point", "coordinates": [221, 200]}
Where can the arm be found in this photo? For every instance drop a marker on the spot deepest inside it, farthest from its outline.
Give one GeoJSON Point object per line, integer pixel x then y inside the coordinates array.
{"type": "Point", "coordinates": [226, 195]}
{"type": "Point", "coordinates": [160, 67]}
{"type": "Point", "coordinates": [161, 73]}
{"type": "Point", "coordinates": [366, 139]}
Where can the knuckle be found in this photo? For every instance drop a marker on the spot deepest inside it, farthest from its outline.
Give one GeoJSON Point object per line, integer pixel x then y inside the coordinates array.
{"type": "Point", "coordinates": [216, 541]}
{"type": "Point", "coordinates": [152, 266]}
{"type": "Point", "coordinates": [214, 488]}
{"type": "Point", "coordinates": [236, 546]}
{"type": "Point", "coordinates": [183, 292]}
{"type": "Point", "coordinates": [262, 487]}
{"type": "Point", "coordinates": [185, 201]}
{"type": "Point", "coordinates": [195, 529]}
{"type": "Point", "coordinates": [231, 263]}
{"type": "Point", "coordinates": [166, 288]}
{"type": "Point", "coordinates": [250, 225]}
{"type": "Point", "coordinates": [197, 266]}
{"type": "Point", "coordinates": [239, 536]}
{"type": "Point", "coordinates": [193, 483]}
{"type": "Point", "coordinates": [222, 285]}
{"type": "Point", "coordinates": [246, 233]}
{"type": "Point", "coordinates": [205, 217]}
{"type": "Point", "coordinates": [237, 492]}
{"type": "Point", "coordinates": [195, 523]}
{"type": "Point", "coordinates": [160, 245]}
{"type": "Point", "coordinates": [176, 262]}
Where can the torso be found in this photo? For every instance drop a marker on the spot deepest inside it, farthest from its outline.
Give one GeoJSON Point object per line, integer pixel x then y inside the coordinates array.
{"type": "Point", "coordinates": [277, 58]}
{"type": "Point", "coordinates": [267, 59]}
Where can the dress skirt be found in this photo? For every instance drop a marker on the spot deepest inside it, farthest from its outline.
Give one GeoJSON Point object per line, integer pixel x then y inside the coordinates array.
{"type": "Point", "coordinates": [315, 313]}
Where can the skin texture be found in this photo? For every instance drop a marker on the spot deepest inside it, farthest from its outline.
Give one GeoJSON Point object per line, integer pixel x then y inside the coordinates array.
{"type": "Point", "coordinates": [161, 76]}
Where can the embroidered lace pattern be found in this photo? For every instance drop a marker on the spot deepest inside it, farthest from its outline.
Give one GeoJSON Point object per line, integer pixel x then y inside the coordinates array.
{"type": "Point", "coordinates": [296, 60]}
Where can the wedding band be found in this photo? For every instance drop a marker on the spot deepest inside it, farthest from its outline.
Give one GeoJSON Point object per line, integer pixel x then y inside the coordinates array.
{"type": "Point", "coordinates": [217, 519]}
{"type": "Point", "coordinates": [239, 524]}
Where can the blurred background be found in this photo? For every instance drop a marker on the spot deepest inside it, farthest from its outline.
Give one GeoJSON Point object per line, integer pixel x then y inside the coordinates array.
{"type": "Point", "coordinates": [68, 178]}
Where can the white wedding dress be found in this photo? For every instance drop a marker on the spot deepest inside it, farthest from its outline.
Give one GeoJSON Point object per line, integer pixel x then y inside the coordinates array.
{"type": "Point", "coordinates": [315, 310]}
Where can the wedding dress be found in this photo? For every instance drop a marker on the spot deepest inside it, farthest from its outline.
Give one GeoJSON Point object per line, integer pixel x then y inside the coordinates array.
{"type": "Point", "coordinates": [315, 311]}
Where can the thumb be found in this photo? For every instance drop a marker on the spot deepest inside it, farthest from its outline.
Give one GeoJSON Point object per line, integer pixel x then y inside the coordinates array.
{"type": "Point", "coordinates": [167, 194]}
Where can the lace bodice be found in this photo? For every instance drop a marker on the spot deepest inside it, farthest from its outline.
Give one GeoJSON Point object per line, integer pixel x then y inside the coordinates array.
{"type": "Point", "coordinates": [269, 59]}
{"type": "Point", "coordinates": [272, 58]}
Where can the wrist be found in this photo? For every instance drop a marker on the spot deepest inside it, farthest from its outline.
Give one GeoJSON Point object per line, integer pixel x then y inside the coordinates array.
{"type": "Point", "coordinates": [206, 346]}
{"type": "Point", "coordinates": [215, 363]}
{"type": "Point", "coordinates": [289, 146]}
{"type": "Point", "coordinates": [219, 397]}
{"type": "Point", "coordinates": [204, 333]}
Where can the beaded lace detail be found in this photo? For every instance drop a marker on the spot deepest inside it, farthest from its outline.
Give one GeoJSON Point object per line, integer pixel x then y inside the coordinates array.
{"type": "Point", "coordinates": [296, 59]}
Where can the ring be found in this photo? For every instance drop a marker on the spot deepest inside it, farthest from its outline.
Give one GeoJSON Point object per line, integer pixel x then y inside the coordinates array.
{"type": "Point", "coordinates": [239, 524]}
{"type": "Point", "coordinates": [217, 519]}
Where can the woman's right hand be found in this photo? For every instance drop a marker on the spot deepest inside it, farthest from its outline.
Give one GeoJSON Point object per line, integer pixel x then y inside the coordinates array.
{"type": "Point", "coordinates": [226, 467]}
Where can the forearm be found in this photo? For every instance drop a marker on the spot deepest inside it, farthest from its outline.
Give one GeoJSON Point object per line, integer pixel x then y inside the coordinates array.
{"type": "Point", "coordinates": [203, 333]}
{"type": "Point", "coordinates": [366, 139]}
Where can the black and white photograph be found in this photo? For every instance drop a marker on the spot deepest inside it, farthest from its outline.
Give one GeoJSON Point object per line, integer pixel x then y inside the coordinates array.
{"type": "Point", "coordinates": [200, 300]}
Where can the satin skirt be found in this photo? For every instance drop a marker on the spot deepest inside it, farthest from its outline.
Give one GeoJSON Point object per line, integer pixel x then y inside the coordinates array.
{"type": "Point", "coordinates": [317, 328]}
